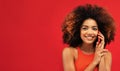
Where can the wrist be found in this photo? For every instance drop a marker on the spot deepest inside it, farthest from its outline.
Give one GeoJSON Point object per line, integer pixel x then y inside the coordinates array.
{"type": "Point", "coordinates": [94, 63]}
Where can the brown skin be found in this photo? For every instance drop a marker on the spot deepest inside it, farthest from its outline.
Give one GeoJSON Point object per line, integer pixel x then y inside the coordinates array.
{"type": "Point", "coordinates": [102, 57]}
{"type": "Point", "coordinates": [70, 54]}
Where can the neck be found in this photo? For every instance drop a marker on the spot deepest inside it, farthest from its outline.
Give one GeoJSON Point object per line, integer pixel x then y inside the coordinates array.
{"type": "Point", "coordinates": [87, 48]}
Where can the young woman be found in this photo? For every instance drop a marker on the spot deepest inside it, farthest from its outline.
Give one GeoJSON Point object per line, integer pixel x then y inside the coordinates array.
{"type": "Point", "coordinates": [87, 30]}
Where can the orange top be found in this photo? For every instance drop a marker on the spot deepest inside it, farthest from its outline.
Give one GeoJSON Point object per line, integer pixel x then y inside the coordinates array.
{"type": "Point", "coordinates": [83, 60]}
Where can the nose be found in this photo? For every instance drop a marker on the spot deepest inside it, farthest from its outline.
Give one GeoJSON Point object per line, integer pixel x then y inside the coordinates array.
{"type": "Point", "coordinates": [90, 31]}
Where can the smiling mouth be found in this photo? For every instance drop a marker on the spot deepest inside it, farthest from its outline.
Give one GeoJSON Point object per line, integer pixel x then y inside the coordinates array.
{"type": "Point", "coordinates": [89, 37]}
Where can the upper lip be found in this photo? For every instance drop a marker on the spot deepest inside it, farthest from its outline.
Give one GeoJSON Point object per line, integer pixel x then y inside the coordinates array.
{"type": "Point", "coordinates": [89, 36]}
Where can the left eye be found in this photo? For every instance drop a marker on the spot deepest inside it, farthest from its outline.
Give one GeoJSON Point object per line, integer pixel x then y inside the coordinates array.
{"type": "Point", "coordinates": [95, 29]}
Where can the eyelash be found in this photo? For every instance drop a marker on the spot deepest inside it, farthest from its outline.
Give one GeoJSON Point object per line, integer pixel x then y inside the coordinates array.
{"type": "Point", "coordinates": [95, 29]}
{"type": "Point", "coordinates": [84, 28]}
{"type": "Point", "coordinates": [87, 28]}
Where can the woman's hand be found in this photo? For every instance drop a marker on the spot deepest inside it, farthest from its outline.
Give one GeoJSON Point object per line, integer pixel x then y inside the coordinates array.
{"type": "Point", "coordinates": [99, 51]}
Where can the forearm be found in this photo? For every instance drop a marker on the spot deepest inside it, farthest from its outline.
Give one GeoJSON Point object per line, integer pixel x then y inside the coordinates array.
{"type": "Point", "coordinates": [91, 67]}
{"type": "Point", "coordinates": [102, 66]}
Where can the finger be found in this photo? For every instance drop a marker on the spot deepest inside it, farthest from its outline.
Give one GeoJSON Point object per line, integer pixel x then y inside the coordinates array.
{"type": "Point", "coordinates": [100, 34]}
{"type": "Point", "coordinates": [105, 50]}
{"type": "Point", "coordinates": [101, 54]}
{"type": "Point", "coordinates": [100, 38]}
{"type": "Point", "coordinates": [102, 42]}
{"type": "Point", "coordinates": [99, 45]}
{"type": "Point", "coordinates": [102, 51]}
{"type": "Point", "coordinates": [102, 46]}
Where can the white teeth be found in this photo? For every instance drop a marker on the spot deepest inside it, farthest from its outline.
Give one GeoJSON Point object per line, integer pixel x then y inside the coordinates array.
{"type": "Point", "coordinates": [89, 38]}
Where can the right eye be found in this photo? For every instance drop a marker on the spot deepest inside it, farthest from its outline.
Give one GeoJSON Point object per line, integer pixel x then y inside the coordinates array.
{"type": "Point", "coordinates": [84, 28]}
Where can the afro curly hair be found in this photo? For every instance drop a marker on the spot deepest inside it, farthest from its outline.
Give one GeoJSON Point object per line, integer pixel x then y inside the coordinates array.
{"type": "Point", "coordinates": [74, 20]}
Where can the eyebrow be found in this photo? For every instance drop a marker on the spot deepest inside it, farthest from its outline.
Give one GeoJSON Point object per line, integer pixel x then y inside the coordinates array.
{"type": "Point", "coordinates": [87, 26]}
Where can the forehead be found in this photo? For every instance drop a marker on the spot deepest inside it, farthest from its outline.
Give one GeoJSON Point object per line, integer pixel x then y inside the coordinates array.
{"type": "Point", "coordinates": [89, 22]}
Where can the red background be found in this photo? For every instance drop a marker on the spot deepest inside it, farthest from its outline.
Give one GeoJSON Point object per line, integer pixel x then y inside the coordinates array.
{"type": "Point", "coordinates": [31, 37]}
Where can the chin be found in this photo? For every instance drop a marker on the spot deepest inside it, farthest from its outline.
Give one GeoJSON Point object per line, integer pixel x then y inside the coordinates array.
{"type": "Point", "coordinates": [88, 42]}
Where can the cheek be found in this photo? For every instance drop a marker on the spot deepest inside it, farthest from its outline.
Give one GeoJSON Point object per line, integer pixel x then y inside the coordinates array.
{"type": "Point", "coordinates": [96, 33]}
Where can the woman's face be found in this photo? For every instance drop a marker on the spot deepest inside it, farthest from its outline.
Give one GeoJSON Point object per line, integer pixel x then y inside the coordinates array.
{"type": "Point", "coordinates": [89, 31]}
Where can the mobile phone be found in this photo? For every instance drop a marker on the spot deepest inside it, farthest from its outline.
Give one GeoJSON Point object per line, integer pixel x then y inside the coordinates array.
{"type": "Point", "coordinates": [98, 40]}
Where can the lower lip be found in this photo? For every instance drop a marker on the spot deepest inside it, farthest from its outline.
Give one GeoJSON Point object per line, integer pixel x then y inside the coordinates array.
{"type": "Point", "coordinates": [89, 38]}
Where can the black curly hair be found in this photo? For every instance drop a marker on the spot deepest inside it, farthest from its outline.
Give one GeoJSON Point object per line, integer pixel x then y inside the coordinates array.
{"type": "Point", "coordinates": [74, 20]}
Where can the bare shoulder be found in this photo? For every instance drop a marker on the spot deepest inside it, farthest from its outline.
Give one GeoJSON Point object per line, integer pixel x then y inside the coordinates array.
{"type": "Point", "coordinates": [68, 59]}
{"type": "Point", "coordinates": [67, 55]}
{"type": "Point", "coordinates": [108, 58]}
{"type": "Point", "coordinates": [108, 55]}
{"type": "Point", "coordinates": [68, 51]}
{"type": "Point", "coordinates": [108, 61]}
